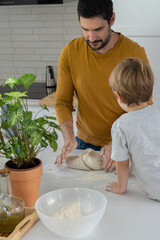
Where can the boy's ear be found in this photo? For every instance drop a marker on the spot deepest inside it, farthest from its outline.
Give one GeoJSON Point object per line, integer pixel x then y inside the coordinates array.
{"type": "Point", "coordinates": [118, 96]}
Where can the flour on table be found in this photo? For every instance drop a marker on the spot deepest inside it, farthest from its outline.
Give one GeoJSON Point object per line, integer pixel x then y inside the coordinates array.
{"type": "Point", "coordinates": [71, 210]}
{"type": "Point", "coordinates": [94, 176]}
{"type": "Point", "coordinates": [88, 160]}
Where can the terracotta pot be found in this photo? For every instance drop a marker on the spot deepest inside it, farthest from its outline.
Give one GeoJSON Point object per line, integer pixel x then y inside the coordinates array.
{"type": "Point", "coordinates": [26, 182]}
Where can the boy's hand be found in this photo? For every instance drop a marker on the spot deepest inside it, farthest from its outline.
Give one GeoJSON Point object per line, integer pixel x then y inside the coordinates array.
{"type": "Point", "coordinates": [113, 187]}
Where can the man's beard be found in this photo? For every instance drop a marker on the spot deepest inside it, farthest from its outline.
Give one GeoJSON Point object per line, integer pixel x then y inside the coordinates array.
{"type": "Point", "coordinates": [104, 43]}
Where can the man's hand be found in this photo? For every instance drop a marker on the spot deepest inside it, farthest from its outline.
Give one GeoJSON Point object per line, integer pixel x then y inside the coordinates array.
{"type": "Point", "coordinates": [70, 142]}
{"type": "Point", "coordinates": [108, 164]}
{"type": "Point", "coordinates": [64, 151]}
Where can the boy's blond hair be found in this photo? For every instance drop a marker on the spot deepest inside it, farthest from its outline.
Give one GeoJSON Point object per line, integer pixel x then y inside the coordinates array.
{"type": "Point", "coordinates": [133, 79]}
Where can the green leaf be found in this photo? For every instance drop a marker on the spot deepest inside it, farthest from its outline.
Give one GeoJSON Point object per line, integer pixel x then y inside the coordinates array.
{"type": "Point", "coordinates": [1, 146]}
{"type": "Point", "coordinates": [15, 117]}
{"type": "Point", "coordinates": [44, 107]}
{"type": "Point", "coordinates": [43, 143]}
{"type": "Point", "coordinates": [16, 95]}
{"type": "Point", "coordinates": [50, 117]}
{"type": "Point", "coordinates": [52, 124]}
{"type": "Point", "coordinates": [17, 149]}
{"type": "Point", "coordinates": [54, 135]}
{"type": "Point", "coordinates": [53, 144]}
{"type": "Point", "coordinates": [27, 80]}
{"type": "Point", "coordinates": [11, 82]}
{"type": "Point", "coordinates": [47, 136]}
{"type": "Point", "coordinates": [7, 146]}
{"type": "Point", "coordinates": [4, 125]}
{"type": "Point", "coordinates": [30, 127]}
{"type": "Point", "coordinates": [28, 116]}
{"type": "Point", "coordinates": [5, 100]}
{"type": "Point", "coordinates": [35, 138]}
{"type": "Point", "coordinates": [41, 121]}
{"type": "Point", "coordinates": [8, 155]}
{"type": "Point", "coordinates": [2, 102]}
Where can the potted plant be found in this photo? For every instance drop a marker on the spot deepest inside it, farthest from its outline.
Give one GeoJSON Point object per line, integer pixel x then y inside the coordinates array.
{"type": "Point", "coordinates": [23, 136]}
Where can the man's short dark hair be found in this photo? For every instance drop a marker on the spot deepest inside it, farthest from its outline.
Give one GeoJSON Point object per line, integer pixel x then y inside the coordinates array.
{"type": "Point", "coordinates": [95, 8]}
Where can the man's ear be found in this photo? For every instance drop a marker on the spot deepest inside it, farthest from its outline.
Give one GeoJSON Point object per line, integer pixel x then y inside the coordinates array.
{"type": "Point", "coordinates": [112, 19]}
{"type": "Point", "coordinates": [118, 96]}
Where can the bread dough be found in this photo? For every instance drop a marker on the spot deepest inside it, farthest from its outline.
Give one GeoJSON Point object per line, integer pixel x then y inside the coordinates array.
{"type": "Point", "coordinates": [71, 210]}
{"type": "Point", "coordinates": [76, 162]}
{"type": "Point", "coordinates": [88, 160]}
{"type": "Point", "coordinates": [92, 159]}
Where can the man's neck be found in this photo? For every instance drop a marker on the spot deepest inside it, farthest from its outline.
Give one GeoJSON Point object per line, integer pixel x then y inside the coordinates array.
{"type": "Point", "coordinates": [111, 43]}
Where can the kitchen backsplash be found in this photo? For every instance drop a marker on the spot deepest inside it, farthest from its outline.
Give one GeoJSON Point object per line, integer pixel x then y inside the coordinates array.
{"type": "Point", "coordinates": [32, 37]}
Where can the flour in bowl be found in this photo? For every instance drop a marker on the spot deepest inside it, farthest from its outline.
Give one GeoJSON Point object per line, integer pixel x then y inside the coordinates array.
{"type": "Point", "coordinates": [71, 210]}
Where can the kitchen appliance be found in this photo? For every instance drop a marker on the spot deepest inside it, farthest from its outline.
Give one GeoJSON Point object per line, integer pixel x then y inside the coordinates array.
{"type": "Point", "coordinates": [50, 80]}
{"type": "Point", "coordinates": [29, 2]}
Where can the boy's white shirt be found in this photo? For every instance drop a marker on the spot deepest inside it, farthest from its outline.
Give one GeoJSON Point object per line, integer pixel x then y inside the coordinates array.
{"type": "Point", "coordinates": [136, 136]}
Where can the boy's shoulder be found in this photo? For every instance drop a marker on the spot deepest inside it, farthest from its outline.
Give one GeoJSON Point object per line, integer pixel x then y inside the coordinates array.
{"type": "Point", "coordinates": [148, 113]}
{"type": "Point", "coordinates": [120, 121]}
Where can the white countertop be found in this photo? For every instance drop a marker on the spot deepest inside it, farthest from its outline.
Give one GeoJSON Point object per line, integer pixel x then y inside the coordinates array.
{"type": "Point", "coordinates": [127, 217]}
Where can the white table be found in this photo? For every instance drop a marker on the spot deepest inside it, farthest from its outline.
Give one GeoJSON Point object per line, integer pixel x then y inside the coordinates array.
{"type": "Point", "coordinates": [127, 217]}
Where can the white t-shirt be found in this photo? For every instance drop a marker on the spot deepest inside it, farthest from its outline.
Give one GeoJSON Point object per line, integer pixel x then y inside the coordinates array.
{"type": "Point", "coordinates": [136, 136]}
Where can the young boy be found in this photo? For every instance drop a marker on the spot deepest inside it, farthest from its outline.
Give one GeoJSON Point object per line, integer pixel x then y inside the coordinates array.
{"type": "Point", "coordinates": [136, 134]}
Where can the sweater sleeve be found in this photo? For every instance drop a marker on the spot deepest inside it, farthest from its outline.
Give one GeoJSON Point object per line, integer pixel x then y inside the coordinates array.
{"type": "Point", "coordinates": [144, 57]}
{"type": "Point", "coordinates": [65, 88]}
{"type": "Point", "coordinates": [142, 54]}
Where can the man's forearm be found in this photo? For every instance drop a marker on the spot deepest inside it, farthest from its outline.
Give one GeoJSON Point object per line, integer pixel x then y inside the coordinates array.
{"type": "Point", "coordinates": [67, 131]}
{"type": "Point", "coordinates": [70, 142]}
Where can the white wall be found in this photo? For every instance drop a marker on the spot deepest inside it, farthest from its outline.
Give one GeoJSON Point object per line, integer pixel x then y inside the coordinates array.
{"type": "Point", "coordinates": [32, 37]}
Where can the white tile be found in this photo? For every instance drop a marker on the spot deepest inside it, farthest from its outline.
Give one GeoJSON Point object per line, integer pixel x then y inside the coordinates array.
{"type": "Point", "coordinates": [28, 57]}
{"type": "Point", "coordinates": [5, 44]}
{"type": "Point", "coordinates": [20, 10]}
{"type": "Point", "coordinates": [25, 70]}
{"type": "Point", "coordinates": [26, 24]}
{"type": "Point", "coordinates": [6, 63]}
{"type": "Point", "coordinates": [18, 31]}
{"type": "Point", "coordinates": [24, 51]}
{"type": "Point", "coordinates": [6, 50]}
{"type": "Point", "coordinates": [52, 38]}
{"type": "Point", "coordinates": [24, 17]}
{"type": "Point", "coordinates": [50, 17]}
{"type": "Point", "coordinates": [25, 38]}
{"type": "Point", "coordinates": [6, 57]}
{"type": "Point", "coordinates": [28, 44]}
{"type": "Point", "coordinates": [4, 24]}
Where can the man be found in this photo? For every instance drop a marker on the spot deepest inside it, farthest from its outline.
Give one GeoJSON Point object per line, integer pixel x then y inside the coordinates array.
{"type": "Point", "coordinates": [84, 67]}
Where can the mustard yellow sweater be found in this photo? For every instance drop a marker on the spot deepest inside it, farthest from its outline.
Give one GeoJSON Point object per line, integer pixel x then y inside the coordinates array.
{"type": "Point", "coordinates": [83, 70]}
